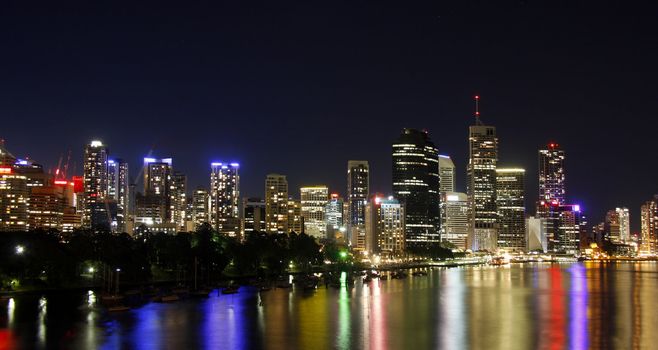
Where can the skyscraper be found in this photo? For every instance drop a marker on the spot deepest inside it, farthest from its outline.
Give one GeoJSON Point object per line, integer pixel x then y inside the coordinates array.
{"type": "Point", "coordinates": [481, 185]}
{"type": "Point", "coordinates": [385, 226]}
{"type": "Point", "coordinates": [624, 224]}
{"type": "Point", "coordinates": [295, 218]}
{"type": "Point", "coordinates": [253, 217]}
{"type": "Point", "coordinates": [649, 222]}
{"type": "Point", "coordinates": [157, 189]}
{"type": "Point", "coordinates": [95, 184]}
{"type": "Point", "coordinates": [416, 185]}
{"type": "Point", "coordinates": [200, 206]}
{"type": "Point", "coordinates": [334, 217]}
{"type": "Point", "coordinates": [178, 199]}
{"type": "Point", "coordinates": [14, 196]}
{"type": "Point", "coordinates": [276, 203]}
{"type": "Point", "coordinates": [454, 218]}
{"type": "Point", "coordinates": [510, 203]}
{"type": "Point", "coordinates": [225, 198]}
{"type": "Point", "coordinates": [118, 182]}
{"type": "Point", "coordinates": [446, 174]}
{"type": "Point", "coordinates": [314, 200]}
{"type": "Point", "coordinates": [358, 191]}
{"type": "Point", "coordinates": [551, 174]}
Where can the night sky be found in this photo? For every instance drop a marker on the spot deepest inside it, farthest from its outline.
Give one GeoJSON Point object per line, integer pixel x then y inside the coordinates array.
{"type": "Point", "coordinates": [301, 88]}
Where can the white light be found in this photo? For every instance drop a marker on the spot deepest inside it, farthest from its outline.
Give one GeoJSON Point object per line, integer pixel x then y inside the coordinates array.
{"type": "Point", "coordinates": [96, 143]}
{"type": "Point", "coordinates": [20, 249]}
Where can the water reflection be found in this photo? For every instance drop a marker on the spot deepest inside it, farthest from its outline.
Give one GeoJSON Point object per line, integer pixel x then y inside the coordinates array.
{"type": "Point", "coordinates": [576, 306]}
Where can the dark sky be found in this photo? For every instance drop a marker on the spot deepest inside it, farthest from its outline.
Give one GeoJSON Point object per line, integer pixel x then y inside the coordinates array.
{"type": "Point", "coordinates": [300, 88]}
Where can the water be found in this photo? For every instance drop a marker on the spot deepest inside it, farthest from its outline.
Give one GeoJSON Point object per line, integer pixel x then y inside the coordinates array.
{"type": "Point", "coordinates": [544, 306]}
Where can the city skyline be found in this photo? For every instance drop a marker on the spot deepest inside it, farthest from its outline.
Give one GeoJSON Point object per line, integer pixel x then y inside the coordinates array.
{"type": "Point", "coordinates": [377, 69]}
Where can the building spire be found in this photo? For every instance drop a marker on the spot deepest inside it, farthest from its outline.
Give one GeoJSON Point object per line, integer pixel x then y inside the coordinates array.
{"type": "Point", "coordinates": [477, 110]}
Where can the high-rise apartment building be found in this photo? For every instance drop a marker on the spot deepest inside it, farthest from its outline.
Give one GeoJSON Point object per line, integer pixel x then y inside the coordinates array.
{"type": "Point", "coordinates": [95, 185]}
{"type": "Point", "coordinates": [570, 227]}
{"type": "Point", "coordinates": [334, 217]}
{"type": "Point", "coordinates": [481, 186]}
{"type": "Point", "coordinates": [416, 185]}
{"type": "Point", "coordinates": [225, 198]}
{"type": "Point", "coordinates": [510, 203]}
{"type": "Point", "coordinates": [358, 191]}
{"type": "Point", "coordinates": [649, 227]}
{"type": "Point", "coordinates": [314, 201]}
{"type": "Point", "coordinates": [385, 227]}
{"type": "Point", "coordinates": [295, 218]}
{"type": "Point", "coordinates": [14, 197]}
{"type": "Point", "coordinates": [200, 206]}
{"type": "Point", "coordinates": [276, 204]}
{"type": "Point", "coordinates": [551, 174]}
{"type": "Point", "coordinates": [178, 199]}
{"type": "Point", "coordinates": [454, 218]}
{"type": "Point", "coordinates": [117, 190]}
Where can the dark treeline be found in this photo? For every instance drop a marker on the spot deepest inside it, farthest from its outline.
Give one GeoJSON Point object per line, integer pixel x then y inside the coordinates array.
{"type": "Point", "coordinates": [49, 259]}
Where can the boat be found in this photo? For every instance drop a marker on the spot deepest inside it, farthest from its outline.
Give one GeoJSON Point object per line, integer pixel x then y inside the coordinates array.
{"type": "Point", "coordinates": [383, 277]}
{"type": "Point", "coordinates": [201, 293]}
{"type": "Point", "coordinates": [118, 308]}
{"type": "Point", "coordinates": [419, 273]}
{"type": "Point", "coordinates": [498, 261]}
{"type": "Point", "coordinates": [232, 289]}
{"type": "Point", "coordinates": [367, 279]}
{"type": "Point", "coordinates": [170, 298]}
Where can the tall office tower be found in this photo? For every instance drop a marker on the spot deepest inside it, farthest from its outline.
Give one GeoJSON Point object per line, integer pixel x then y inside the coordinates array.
{"type": "Point", "coordinates": [200, 206]}
{"type": "Point", "coordinates": [385, 227]}
{"type": "Point", "coordinates": [14, 196]}
{"type": "Point", "coordinates": [510, 203]}
{"type": "Point", "coordinates": [117, 190]}
{"type": "Point", "coordinates": [481, 185]}
{"type": "Point", "coordinates": [454, 219]}
{"type": "Point", "coordinates": [225, 198]}
{"type": "Point", "coordinates": [649, 222]}
{"type": "Point", "coordinates": [358, 191]}
{"type": "Point", "coordinates": [314, 200]}
{"type": "Point", "coordinates": [178, 199]}
{"type": "Point", "coordinates": [95, 185]}
{"type": "Point", "coordinates": [157, 184]}
{"type": "Point", "coordinates": [446, 174]}
{"type": "Point", "coordinates": [416, 185]}
{"type": "Point", "coordinates": [295, 218]}
{"type": "Point", "coordinates": [334, 217]}
{"type": "Point", "coordinates": [551, 174]}
{"type": "Point", "coordinates": [276, 204]}
{"type": "Point", "coordinates": [253, 217]}
{"type": "Point", "coordinates": [571, 226]}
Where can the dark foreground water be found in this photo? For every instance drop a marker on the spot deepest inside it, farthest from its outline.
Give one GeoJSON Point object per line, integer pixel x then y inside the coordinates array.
{"type": "Point", "coordinates": [576, 306]}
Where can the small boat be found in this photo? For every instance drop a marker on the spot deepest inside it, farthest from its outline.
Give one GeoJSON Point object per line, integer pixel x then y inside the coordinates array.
{"type": "Point", "coordinates": [383, 277]}
{"type": "Point", "coordinates": [310, 286]}
{"type": "Point", "coordinates": [498, 261]}
{"type": "Point", "coordinates": [118, 308]}
{"type": "Point", "coordinates": [419, 273]}
{"type": "Point", "coordinates": [367, 279]}
{"type": "Point", "coordinates": [201, 293]}
{"type": "Point", "coordinates": [230, 289]}
{"type": "Point", "coordinates": [170, 298]}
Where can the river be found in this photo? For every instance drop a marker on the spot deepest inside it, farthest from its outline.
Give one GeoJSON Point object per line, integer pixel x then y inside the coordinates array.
{"type": "Point", "coordinates": [518, 306]}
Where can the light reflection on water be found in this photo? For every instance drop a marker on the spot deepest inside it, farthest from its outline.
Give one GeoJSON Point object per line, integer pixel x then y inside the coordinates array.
{"type": "Point", "coordinates": [576, 306]}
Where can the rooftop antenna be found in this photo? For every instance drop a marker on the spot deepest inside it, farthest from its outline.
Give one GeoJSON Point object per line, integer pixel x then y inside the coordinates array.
{"type": "Point", "coordinates": [477, 110]}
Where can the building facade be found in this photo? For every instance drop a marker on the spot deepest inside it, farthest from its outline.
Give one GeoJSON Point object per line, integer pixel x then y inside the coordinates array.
{"type": "Point", "coordinates": [416, 185]}
{"type": "Point", "coordinates": [454, 219]}
{"type": "Point", "coordinates": [276, 204]}
{"type": "Point", "coordinates": [253, 217]}
{"type": "Point", "coordinates": [314, 200]}
{"type": "Point", "coordinates": [358, 192]}
{"type": "Point", "coordinates": [95, 185]}
{"type": "Point", "coordinates": [510, 203]}
{"type": "Point", "coordinates": [385, 227]}
{"type": "Point", "coordinates": [225, 198]}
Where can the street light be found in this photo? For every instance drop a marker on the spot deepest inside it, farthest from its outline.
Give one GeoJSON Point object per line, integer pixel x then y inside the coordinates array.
{"type": "Point", "coordinates": [20, 249]}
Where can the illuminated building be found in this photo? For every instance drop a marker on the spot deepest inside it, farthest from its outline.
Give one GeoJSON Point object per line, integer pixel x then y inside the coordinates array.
{"type": "Point", "coordinates": [36, 177]}
{"type": "Point", "coordinates": [481, 186]}
{"type": "Point", "coordinates": [454, 219]}
{"type": "Point", "coordinates": [200, 206]}
{"type": "Point", "coordinates": [6, 158]}
{"type": "Point", "coordinates": [71, 219]}
{"type": "Point", "coordinates": [253, 217]}
{"type": "Point", "coordinates": [178, 199]}
{"type": "Point", "coordinates": [358, 191]}
{"type": "Point", "coordinates": [95, 185]}
{"type": "Point", "coordinates": [14, 196]}
{"type": "Point", "coordinates": [225, 198]}
{"type": "Point", "coordinates": [570, 227]}
{"type": "Point", "coordinates": [334, 217]}
{"type": "Point", "coordinates": [314, 200]}
{"type": "Point", "coordinates": [295, 218]}
{"type": "Point", "coordinates": [446, 174]}
{"type": "Point", "coordinates": [510, 203]}
{"type": "Point", "coordinates": [385, 227]}
{"type": "Point", "coordinates": [276, 204]}
{"type": "Point", "coordinates": [46, 207]}
{"type": "Point", "coordinates": [617, 225]}
{"type": "Point", "coordinates": [118, 181]}
{"type": "Point", "coordinates": [551, 174]}
{"type": "Point", "coordinates": [649, 227]}
{"type": "Point", "coordinates": [150, 210]}
{"type": "Point", "coordinates": [536, 234]}
{"type": "Point", "coordinates": [157, 175]}
{"type": "Point", "coordinates": [416, 185]}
